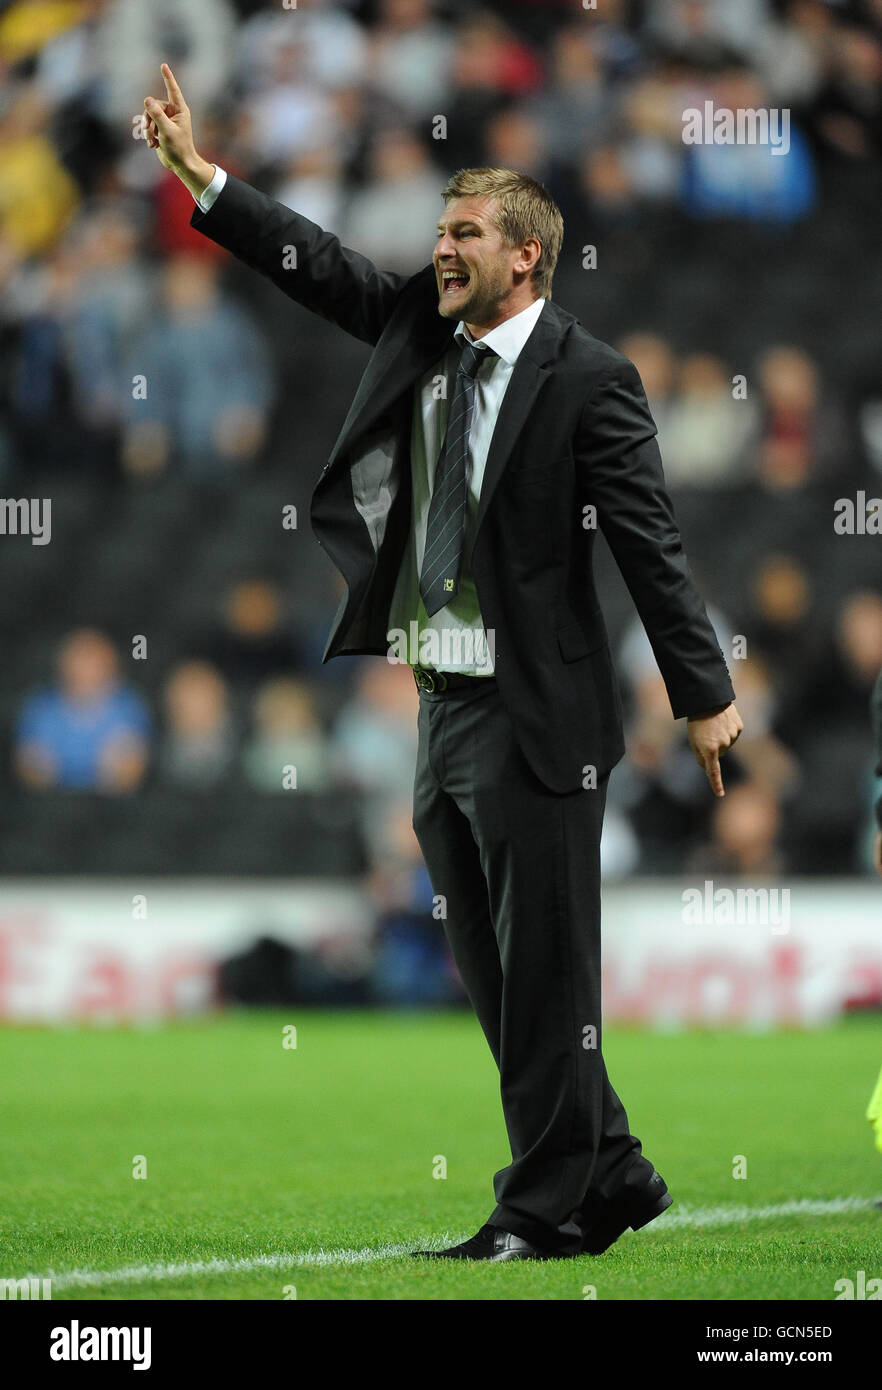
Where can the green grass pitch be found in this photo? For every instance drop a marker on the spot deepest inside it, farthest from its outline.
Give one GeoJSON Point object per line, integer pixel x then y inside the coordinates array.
{"type": "Point", "coordinates": [254, 1150]}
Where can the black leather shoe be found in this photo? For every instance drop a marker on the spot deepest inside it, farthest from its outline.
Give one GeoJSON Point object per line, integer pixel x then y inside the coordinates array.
{"type": "Point", "coordinates": [491, 1244]}
{"type": "Point", "coordinates": [629, 1208]}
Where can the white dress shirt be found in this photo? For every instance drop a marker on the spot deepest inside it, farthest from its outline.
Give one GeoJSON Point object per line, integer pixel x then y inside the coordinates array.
{"type": "Point", "coordinates": [453, 639]}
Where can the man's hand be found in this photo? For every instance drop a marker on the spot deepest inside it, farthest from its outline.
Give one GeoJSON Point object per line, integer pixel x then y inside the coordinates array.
{"type": "Point", "coordinates": [710, 735]}
{"type": "Point", "coordinates": [170, 134]}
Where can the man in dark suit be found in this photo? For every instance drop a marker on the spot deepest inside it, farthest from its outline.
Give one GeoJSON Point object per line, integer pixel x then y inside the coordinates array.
{"type": "Point", "coordinates": [489, 437]}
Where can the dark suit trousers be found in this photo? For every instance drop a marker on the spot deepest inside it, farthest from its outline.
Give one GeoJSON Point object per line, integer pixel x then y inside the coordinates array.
{"type": "Point", "coordinates": [518, 867]}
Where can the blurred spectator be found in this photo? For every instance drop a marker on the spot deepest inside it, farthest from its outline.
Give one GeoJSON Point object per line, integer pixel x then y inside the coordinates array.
{"type": "Point", "coordinates": [27, 25]}
{"type": "Point", "coordinates": [312, 184]}
{"type": "Point", "coordinates": [79, 316]}
{"type": "Point", "coordinates": [194, 36]}
{"type": "Point", "coordinates": [37, 195]}
{"type": "Point", "coordinates": [71, 75]}
{"type": "Point", "coordinates": [744, 844]}
{"type": "Point", "coordinates": [91, 731]}
{"type": "Point", "coordinates": [577, 108]}
{"type": "Point", "coordinates": [793, 51]}
{"type": "Point", "coordinates": [652, 150]}
{"type": "Point", "coordinates": [489, 53]}
{"type": "Point", "coordinates": [40, 394]}
{"type": "Point", "coordinates": [656, 363]}
{"type": "Point", "coordinates": [760, 754]}
{"type": "Point", "coordinates": [287, 734]}
{"type": "Point", "coordinates": [870, 424]}
{"type": "Point", "coordinates": [610, 194]}
{"type": "Point", "coordinates": [111, 300]}
{"type": "Point", "coordinates": [707, 431]}
{"type": "Point", "coordinates": [410, 57]}
{"type": "Point", "coordinates": [290, 113]}
{"type": "Point", "coordinates": [79, 319]}
{"type": "Point", "coordinates": [70, 60]}
{"type": "Point", "coordinates": [614, 36]}
{"type": "Point", "coordinates": [489, 65]}
{"type": "Point", "coordinates": [754, 181]}
{"type": "Point", "coordinates": [514, 140]}
{"type": "Point", "coordinates": [205, 380]}
{"type": "Point", "coordinates": [659, 787]}
{"type": "Point", "coordinates": [705, 32]}
{"type": "Point", "coordinates": [840, 685]}
{"type": "Point", "coordinates": [375, 737]}
{"type": "Point", "coordinates": [847, 111]}
{"type": "Point", "coordinates": [784, 628]}
{"type": "Point", "coordinates": [199, 744]}
{"type": "Point", "coordinates": [412, 964]}
{"type": "Point", "coordinates": [333, 45]}
{"type": "Point", "coordinates": [802, 435]}
{"type": "Point", "coordinates": [400, 178]}
{"type": "Point", "coordinates": [253, 639]}
{"type": "Point", "coordinates": [830, 742]}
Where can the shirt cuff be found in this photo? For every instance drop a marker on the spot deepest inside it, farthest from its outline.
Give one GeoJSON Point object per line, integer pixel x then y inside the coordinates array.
{"type": "Point", "coordinates": [210, 194]}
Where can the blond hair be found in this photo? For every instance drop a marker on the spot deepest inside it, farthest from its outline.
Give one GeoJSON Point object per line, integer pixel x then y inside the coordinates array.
{"type": "Point", "coordinates": [523, 209]}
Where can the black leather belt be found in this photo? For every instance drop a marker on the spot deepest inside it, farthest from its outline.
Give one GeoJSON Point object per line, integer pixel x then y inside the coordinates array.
{"type": "Point", "coordinates": [435, 682]}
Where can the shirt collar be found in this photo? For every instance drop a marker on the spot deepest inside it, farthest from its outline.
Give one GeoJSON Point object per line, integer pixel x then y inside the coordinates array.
{"type": "Point", "coordinates": [508, 338]}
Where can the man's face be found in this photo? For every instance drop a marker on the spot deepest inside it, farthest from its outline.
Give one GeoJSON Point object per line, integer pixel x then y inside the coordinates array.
{"type": "Point", "coordinates": [473, 265]}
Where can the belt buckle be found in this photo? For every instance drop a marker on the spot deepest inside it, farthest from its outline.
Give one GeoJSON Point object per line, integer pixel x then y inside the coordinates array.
{"type": "Point", "coordinates": [429, 681]}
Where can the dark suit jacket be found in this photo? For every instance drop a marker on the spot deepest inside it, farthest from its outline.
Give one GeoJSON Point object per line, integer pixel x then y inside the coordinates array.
{"type": "Point", "coordinates": [574, 431]}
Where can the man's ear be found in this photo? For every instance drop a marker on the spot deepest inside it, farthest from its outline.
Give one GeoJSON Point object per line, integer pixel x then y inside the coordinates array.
{"type": "Point", "coordinates": [529, 256]}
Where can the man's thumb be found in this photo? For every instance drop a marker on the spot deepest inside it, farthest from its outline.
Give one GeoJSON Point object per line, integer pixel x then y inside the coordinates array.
{"type": "Point", "coordinates": [156, 113]}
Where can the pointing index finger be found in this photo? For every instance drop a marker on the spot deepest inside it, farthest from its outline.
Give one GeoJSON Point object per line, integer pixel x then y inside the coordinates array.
{"type": "Point", "coordinates": [715, 777]}
{"type": "Point", "coordinates": [171, 86]}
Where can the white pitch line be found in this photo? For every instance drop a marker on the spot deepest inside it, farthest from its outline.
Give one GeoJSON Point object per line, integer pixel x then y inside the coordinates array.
{"type": "Point", "coordinates": [734, 1216]}
{"type": "Point", "coordinates": [94, 1278]}
{"type": "Point", "coordinates": [185, 1269]}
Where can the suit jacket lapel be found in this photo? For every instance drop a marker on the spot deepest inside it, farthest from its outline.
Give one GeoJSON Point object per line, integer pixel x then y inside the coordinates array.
{"type": "Point", "coordinates": [421, 340]}
{"type": "Point", "coordinates": [418, 341]}
{"type": "Point", "coordinates": [527, 380]}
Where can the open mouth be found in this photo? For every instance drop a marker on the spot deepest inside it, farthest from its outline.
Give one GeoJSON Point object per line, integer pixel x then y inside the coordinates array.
{"type": "Point", "coordinates": [453, 280]}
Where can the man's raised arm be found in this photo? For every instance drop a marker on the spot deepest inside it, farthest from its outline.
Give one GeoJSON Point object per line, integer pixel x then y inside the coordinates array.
{"type": "Point", "coordinates": [304, 261]}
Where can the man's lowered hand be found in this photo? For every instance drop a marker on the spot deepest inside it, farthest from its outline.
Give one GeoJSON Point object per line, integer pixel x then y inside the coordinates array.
{"type": "Point", "coordinates": [710, 734]}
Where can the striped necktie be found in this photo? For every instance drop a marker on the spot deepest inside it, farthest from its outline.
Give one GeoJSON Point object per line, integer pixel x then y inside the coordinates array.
{"type": "Point", "coordinates": [439, 577]}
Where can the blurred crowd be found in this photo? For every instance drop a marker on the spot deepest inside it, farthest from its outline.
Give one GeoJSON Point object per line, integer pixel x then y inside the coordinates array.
{"type": "Point", "coordinates": [172, 405]}
{"type": "Point", "coordinates": [238, 711]}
